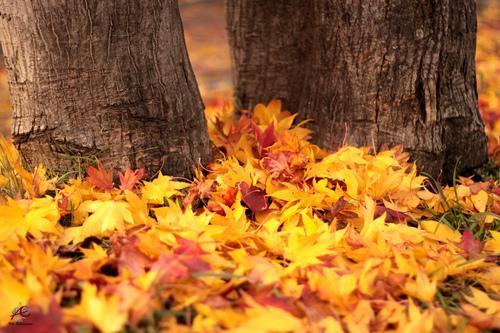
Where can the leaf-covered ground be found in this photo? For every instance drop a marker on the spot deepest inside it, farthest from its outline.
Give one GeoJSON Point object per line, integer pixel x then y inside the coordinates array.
{"type": "Point", "coordinates": [275, 236]}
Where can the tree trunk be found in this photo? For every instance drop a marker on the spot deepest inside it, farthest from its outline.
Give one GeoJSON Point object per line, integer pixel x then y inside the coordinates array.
{"type": "Point", "coordinates": [105, 79]}
{"type": "Point", "coordinates": [367, 72]}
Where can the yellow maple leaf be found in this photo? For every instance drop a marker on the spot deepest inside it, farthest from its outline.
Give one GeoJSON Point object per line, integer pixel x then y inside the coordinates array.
{"type": "Point", "coordinates": [493, 245]}
{"type": "Point", "coordinates": [264, 115]}
{"type": "Point", "coordinates": [303, 250]}
{"type": "Point", "coordinates": [107, 215]}
{"type": "Point", "coordinates": [418, 321]}
{"type": "Point", "coordinates": [480, 200]}
{"type": "Point", "coordinates": [11, 215]}
{"type": "Point", "coordinates": [330, 325]}
{"type": "Point", "coordinates": [102, 311]}
{"type": "Point", "coordinates": [440, 231]}
{"type": "Point", "coordinates": [34, 217]}
{"type": "Point", "coordinates": [42, 216]}
{"type": "Point", "coordinates": [482, 301]}
{"type": "Point", "coordinates": [422, 287]}
{"type": "Point", "coordinates": [162, 188]}
{"type": "Point", "coordinates": [268, 319]}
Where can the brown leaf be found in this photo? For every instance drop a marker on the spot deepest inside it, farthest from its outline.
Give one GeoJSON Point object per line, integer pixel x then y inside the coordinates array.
{"type": "Point", "coordinates": [391, 214]}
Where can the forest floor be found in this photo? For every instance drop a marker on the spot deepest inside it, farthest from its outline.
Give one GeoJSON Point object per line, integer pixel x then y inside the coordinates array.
{"type": "Point", "coordinates": [277, 235]}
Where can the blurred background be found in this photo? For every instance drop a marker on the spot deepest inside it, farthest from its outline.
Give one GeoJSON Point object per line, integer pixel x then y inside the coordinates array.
{"type": "Point", "coordinates": [206, 40]}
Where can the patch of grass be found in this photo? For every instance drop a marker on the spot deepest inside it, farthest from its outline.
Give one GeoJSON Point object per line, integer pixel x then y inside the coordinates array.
{"type": "Point", "coordinates": [77, 169]}
{"type": "Point", "coordinates": [490, 170]}
{"type": "Point", "coordinates": [456, 215]}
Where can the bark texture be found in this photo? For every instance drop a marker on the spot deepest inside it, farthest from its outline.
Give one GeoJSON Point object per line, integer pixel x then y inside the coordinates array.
{"type": "Point", "coordinates": [105, 79]}
{"type": "Point", "coordinates": [367, 72]}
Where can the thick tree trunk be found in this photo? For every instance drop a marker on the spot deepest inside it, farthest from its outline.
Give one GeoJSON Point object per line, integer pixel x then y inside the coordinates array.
{"type": "Point", "coordinates": [105, 79]}
{"type": "Point", "coordinates": [368, 72]}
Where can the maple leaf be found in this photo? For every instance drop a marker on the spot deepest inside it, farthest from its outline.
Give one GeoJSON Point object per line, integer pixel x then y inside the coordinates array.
{"type": "Point", "coordinates": [131, 178]}
{"type": "Point", "coordinates": [253, 197]}
{"type": "Point", "coordinates": [267, 296]}
{"type": "Point", "coordinates": [132, 258]}
{"type": "Point", "coordinates": [480, 200]}
{"type": "Point", "coordinates": [106, 216]}
{"type": "Point", "coordinates": [100, 177]}
{"type": "Point", "coordinates": [36, 217]}
{"type": "Point", "coordinates": [169, 269]}
{"type": "Point", "coordinates": [336, 209]}
{"type": "Point", "coordinates": [101, 310]}
{"type": "Point", "coordinates": [226, 198]}
{"type": "Point", "coordinates": [138, 301]}
{"type": "Point", "coordinates": [422, 287]}
{"type": "Point", "coordinates": [189, 253]}
{"type": "Point", "coordinates": [479, 319]}
{"type": "Point", "coordinates": [277, 164]}
{"type": "Point", "coordinates": [63, 204]}
{"type": "Point", "coordinates": [264, 138]}
{"type": "Point", "coordinates": [470, 246]}
{"type": "Point", "coordinates": [303, 251]}
{"type": "Point", "coordinates": [188, 247]}
{"type": "Point", "coordinates": [268, 319]}
{"type": "Point", "coordinates": [200, 189]}
{"type": "Point", "coordinates": [440, 230]}
{"type": "Point", "coordinates": [161, 188]}
{"type": "Point", "coordinates": [285, 165]}
{"type": "Point", "coordinates": [185, 260]}
{"type": "Point", "coordinates": [391, 214]}
{"type": "Point", "coordinates": [481, 300]}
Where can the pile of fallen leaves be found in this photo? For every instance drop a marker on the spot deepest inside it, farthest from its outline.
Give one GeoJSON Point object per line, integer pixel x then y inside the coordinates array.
{"type": "Point", "coordinates": [275, 236]}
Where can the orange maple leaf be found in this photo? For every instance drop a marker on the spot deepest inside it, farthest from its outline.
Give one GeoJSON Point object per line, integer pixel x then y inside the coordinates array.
{"type": "Point", "coordinates": [100, 177]}
{"type": "Point", "coordinates": [131, 178]}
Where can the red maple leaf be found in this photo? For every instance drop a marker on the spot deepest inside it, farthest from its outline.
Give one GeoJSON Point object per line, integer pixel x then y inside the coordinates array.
{"type": "Point", "coordinates": [169, 269]}
{"type": "Point", "coordinates": [188, 247]}
{"type": "Point", "coordinates": [185, 260]}
{"type": "Point", "coordinates": [264, 139]}
{"type": "Point", "coordinates": [131, 178]}
{"type": "Point", "coordinates": [253, 197]}
{"type": "Point", "coordinates": [189, 252]}
{"type": "Point", "coordinates": [391, 214]}
{"type": "Point", "coordinates": [100, 177]}
{"type": "Point", "coordinates": [227, 198]}
{"type": "Point", "coordinates": [62, 204]}
{"type": "Point", "coordinates": [131, 257]}
{"type": "Point", "coordinates": [470, 246]}
{"type": "Point", "coordinates": [268, 296]}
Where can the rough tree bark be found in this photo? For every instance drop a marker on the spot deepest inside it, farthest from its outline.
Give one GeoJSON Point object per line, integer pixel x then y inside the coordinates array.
{"type": "Point", "coordinates": [105, 79]}
{"type": "Point", "coordinates": [369, 71]}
